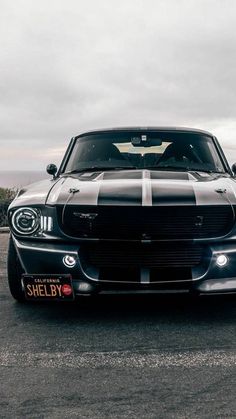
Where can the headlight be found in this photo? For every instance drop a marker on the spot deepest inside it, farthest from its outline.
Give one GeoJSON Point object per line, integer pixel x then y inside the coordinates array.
{"type": "Point", "coordinates": [25, 220]}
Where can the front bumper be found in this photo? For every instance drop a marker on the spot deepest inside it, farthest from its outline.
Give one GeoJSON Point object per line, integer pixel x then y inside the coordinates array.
{"type": "Point", "coordinates": [47, 258]}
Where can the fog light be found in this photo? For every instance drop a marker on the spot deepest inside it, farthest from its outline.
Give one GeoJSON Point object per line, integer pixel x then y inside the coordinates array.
{"type": "Point", "coordinates": [85, 287]}
{"type": "Point", "coordinates": [69, 261]}
{"type": "Point", "coordinates": [222, 260]}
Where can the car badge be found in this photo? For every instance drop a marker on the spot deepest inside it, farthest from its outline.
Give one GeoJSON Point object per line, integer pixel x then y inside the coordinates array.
{"type": "Point", "coordinates": [199, 221]}
{"type": "Point", "coordinates": [85, 216]}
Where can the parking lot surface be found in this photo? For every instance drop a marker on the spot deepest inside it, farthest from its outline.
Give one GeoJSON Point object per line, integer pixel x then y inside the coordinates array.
{"type": "Point", "coordinates": [123, 356]}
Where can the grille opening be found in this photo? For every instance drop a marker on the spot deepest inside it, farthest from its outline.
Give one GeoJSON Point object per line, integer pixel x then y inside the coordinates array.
{"type": "Point", "coordinates": [133, 256]}
{"type": "Point", "coordinates": [126, 275]}
{"type": "Point", "coordinates": [156, 222]}
{"type": "Point", "coordinates": [119, 275]}
{"type": "Point", "coordinates": [122, 262]}
{"type": "Point", "coordinates": [169, 274]}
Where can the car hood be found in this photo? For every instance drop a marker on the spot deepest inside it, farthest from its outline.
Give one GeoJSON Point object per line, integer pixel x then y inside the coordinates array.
{"type": "Point", "coordinates": [143, 188]}
{"type": "Point", "coordinates": [131, 188]}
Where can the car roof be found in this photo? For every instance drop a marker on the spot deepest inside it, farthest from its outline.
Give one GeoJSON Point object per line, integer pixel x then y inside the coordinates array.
{"type": "Point", "coordinates": [145, 129]}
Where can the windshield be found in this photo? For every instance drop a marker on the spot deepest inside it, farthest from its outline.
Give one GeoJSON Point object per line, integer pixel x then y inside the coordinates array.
{"type": "Point", "coordinates": [148, 150]}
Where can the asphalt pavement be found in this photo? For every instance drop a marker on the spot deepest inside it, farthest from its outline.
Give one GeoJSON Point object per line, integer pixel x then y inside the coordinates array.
{"type": "Point", "coordinates": [141, 356]}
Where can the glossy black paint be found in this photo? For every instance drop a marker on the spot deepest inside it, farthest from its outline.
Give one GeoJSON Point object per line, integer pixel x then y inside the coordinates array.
{"type": "Point", "coordinates": [139, 191]}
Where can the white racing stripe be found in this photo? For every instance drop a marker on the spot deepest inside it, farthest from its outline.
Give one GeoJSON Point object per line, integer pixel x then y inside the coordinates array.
{"type": "Point", "coordinates": [146, 189]}
{"type": "Point", "coordinates": [116, 359]}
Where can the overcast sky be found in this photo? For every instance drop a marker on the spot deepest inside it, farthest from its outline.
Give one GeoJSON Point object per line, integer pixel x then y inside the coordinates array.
{"type": "Point", "coordinates": [71, 65]}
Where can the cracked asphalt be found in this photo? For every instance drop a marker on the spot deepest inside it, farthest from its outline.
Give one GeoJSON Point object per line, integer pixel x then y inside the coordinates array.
{"type": "Point", "coordinates": [143, 356]}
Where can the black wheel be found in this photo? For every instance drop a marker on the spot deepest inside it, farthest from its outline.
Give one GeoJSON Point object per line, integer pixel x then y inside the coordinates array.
{"type": "Point", "coordinates": [14, 270]}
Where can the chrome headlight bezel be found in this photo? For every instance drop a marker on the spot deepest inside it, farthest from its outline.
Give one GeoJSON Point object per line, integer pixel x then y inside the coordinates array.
{"type": "Point", "coordinates": [25, 211]}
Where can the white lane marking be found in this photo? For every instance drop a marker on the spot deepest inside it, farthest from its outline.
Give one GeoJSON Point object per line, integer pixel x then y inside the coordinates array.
{"type": "Point", "coordinates": [116, 359]}
{"type": "Point", "coordinates": [146, 189]}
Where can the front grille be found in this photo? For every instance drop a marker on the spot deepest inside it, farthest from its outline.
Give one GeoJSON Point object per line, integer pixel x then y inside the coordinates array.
{"type": "Point", "coordinates": [133, 256]}
{"type": "Point", "coordinates": [119, 275]}
{"type": "Point", "coordinates": [156, 275]}
{"type": "Point", "coordinates": [157, 222]}
{"type": "Point", "coordinates": [130, 263]}
{"type": "Point", "coordinates": [170, 274]}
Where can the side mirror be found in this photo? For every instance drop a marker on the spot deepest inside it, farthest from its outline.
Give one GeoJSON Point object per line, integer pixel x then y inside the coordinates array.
{"type": "Point", "coordinates": [52, 170]}
{"type": "Point", "coordinates": [234, 169]}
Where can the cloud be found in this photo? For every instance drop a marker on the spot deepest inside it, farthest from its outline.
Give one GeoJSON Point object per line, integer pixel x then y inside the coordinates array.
{"type": "Point", "coordinates": [68, 66]}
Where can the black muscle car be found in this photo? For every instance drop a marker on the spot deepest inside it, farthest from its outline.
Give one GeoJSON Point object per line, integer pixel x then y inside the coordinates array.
{"type": "Point", "coordinates": [129, 209]}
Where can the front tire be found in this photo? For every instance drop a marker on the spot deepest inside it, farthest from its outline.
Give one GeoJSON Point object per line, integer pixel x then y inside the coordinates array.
{"type": "Point", "coordinates": [14, 270]}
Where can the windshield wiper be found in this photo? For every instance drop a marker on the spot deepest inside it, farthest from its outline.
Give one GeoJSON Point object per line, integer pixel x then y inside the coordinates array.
{"type": "Point", "coordinates": [99, 169]}
{"type": "Point", "coordinates": [207, 171]}
{"type": "Point", "coordinates": [184, 169]}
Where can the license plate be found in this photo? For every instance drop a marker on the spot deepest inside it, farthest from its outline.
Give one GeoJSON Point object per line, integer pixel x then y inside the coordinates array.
{"type": "Point", "coordinates": [48, 287]}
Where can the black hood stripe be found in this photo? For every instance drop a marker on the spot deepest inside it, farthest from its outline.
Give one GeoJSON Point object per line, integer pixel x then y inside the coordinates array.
{"type": "Point", "coordinates": [166, 175]}
{"type": "Point", "coordinates": [117, 192]}
{"type": "Point", "coordinates": [148, 192]}
{"type": "Point", "coordinates": [166, 192]}
{"type": "Point", "coordinates": [120, 194]}
{"type": "Point", "coordinates": [124, 174]}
